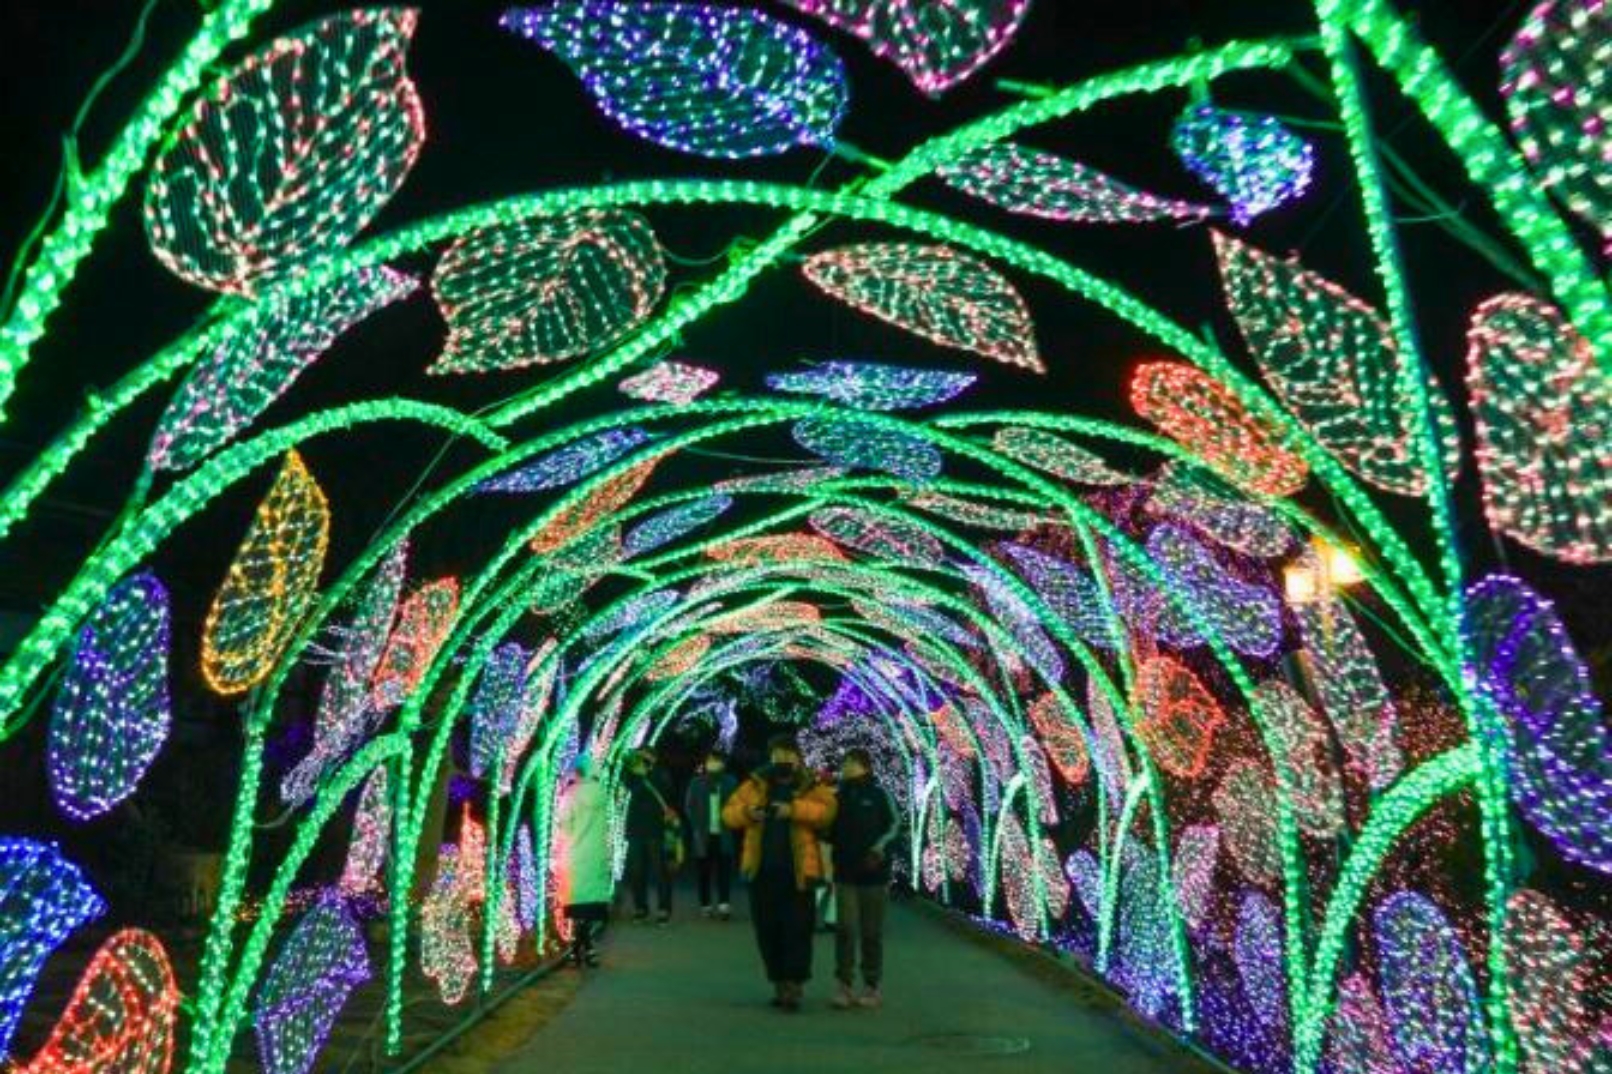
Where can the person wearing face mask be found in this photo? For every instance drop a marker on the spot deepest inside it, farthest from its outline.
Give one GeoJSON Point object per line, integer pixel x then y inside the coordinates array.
{"type": "Point", "coordinates": [864, 828]}
{"type": "Point", "coordinates": [649, 789]}
{"type": "Point", "coordinates": [782, 810]}
{"type": "Point", "coordinates": [713, 843]}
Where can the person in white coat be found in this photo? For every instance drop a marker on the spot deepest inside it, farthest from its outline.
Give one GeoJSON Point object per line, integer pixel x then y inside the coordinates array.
{"type": "Point", "coordinates": [584, 828]}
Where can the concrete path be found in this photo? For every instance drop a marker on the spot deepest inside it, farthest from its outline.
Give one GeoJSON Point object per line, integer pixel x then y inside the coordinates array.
{"type": "Point", "coordinates": [691, 999]}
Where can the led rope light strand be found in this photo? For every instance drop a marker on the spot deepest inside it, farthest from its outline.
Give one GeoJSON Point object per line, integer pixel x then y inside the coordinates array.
{"type": "Point", "coordinates": [43, 290]}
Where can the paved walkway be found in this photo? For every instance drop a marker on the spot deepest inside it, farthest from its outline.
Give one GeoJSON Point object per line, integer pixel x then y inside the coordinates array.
{"type": "Point", "coordinates": [691, 999]}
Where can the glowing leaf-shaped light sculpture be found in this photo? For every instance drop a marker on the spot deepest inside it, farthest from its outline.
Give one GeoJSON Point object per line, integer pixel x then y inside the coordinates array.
{"type": "Point", "coordinates": [1351, 688]}
{"type": "Point", "coordinates": [1200, 413]}
{"type": "Point", "coordinates": [112, 713]}
{"type": "Point", "coordinates": [1558, 93]}
{"type": "Point", "coordinates": [290, 155]}
{"type": "Point", "coordinates": [321, 963]}
{"type": "Point", "coordinates": [1558, 741]}
{"type": "Point", "coordinates": [494, 707]}
{"type": "Point", "coordinates": [1033, 183]}
{"type": "Point", "coordinates": [1357, 1041]}
{"type": "Point", "coordinates": [1055, 455]}
{"type": "Point", "coordinates": [258, 363]}
{"type": "Point", "coordinates": [121, 1017]}
{"type": "Point", "coordinates": [423, 623]}
{"type": "Point", "coordinates": [1543, 409]}
{"type": "Point", "coordinates": [858, 445]}
{"type": "Point", "coordinates": [936, 43]}
{"type": "Point", "coordinates": [372, 830]}
{"type": "Point", "coordinates": [880, 536]}
{"type": "Point", "coordinates": [576, 521]}
{"type": "Point", "coordinates": [537, 690]}
{"type": "Point", "coordinates": [447, 953]}
{"type": "Point", "coordinates": [1019, 619]}
{"type": "Point", "coordinates": [1246, 615]}
{"type": "Point", "coordinates": [1197, 853]}
{"type": "Point", "coordinates": [714, 81]}
{"type": "Point", "coordinates": [1196, 498]}
{"type": "Point", "coordinates": [1549, 964]}
{"type": "Point", "coordinates": [1062, 739]}
{"type": "Point", "coordinates": [1427, 987]}
{"type": "Point", "coordinates": [976, 514]}
{"type": "Point", "coordinates": [1298, 733]}
{"type": "Point", "coordinates": [1257, 951]}
{"type": "Point", "coordinates": [269, 584]}
{"type": "Point", "coordinates": [674, 522]}
{"type": "Point", "coordinates": [680, 658]}
{"type": "Point", "coordinates": [43, 897]}
{"type": "Point", "coordinates": [677, 383]}
{"type": "Point", "coordinates": [776, 548]}
{"type": "Point", "coordinates": [545, 290]}
{"type": "Point", "coordinates": [1178, 716]}
{"type": "Point", "coordinates": [1252, 161]}
{"type": "Point", "coordinates": [345, 714]}
{"type": "Point", "coordinates": [569, 464]}
{"type": "Point", "coordinates": [1331, 358]}
{"type": "Point", "coordinates": [1246, 803]}
{"type": "Point", "coordinates": [874, 385]}
{"type": "Point", "coordinates": [934, 292]}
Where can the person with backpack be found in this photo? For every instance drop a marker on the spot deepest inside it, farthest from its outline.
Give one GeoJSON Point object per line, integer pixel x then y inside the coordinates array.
{"type": "Point", "coordinates": [782, 810]}
{"type": "Point", "coordinates": [713, 844]}
{"type": "Point", "coordinates": [650, 820]}
{"type": "Point", "coordinates": [865, 826]}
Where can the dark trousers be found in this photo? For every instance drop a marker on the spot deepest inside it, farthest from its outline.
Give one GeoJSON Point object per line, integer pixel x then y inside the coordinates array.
{"type": "Point", "coordinates": [782, 914]}
{"type": "Point", "coordinates": [646, 858]}
{"type": "Point", "coordinates": [716, 866]}
{"type": "Point", "coordinates": [860, 909]}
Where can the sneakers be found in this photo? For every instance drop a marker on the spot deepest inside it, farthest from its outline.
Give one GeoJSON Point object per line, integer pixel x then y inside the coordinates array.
{"type": "Point", "coordinates": [871, 998]}
{"type": "Point", "coordinates": [706, 911]}
{"type": "Point", "coordinates": [663, 918]}
{"type": "Point", "coordinates": [640, 917]}
{"type": "Point", "coordinates": [843, 999]}
{"type": "Point", "coordinates": [724, 912]}
{"type": "Point", "coordinates": [791, 996]}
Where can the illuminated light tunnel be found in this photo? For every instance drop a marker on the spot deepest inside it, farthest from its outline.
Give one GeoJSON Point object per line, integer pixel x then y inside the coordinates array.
{"type": "Point", "coordinates": [1185, 465]}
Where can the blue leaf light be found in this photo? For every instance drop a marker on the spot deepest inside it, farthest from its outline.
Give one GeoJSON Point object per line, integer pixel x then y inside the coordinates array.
{"type": "Point", "coordinates": [712, 81]}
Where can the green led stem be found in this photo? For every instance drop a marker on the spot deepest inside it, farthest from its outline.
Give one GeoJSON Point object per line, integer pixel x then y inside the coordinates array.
{"type": "Point", "coordinates": [90, 198]}
{"type": "Point", "coordinates": [1392, 814]}
{"type": "Point", "coordinates": [143, 533]}
{"type": "Point", "coordinates": [1028, 258]}
{"type": "Point", "coordinates": [922, 161]}
{"type": "Point", "coordinates": [1435, 650]}
{"type": "Point", "coordinates": [330, 798]}
{"type": "Point", "coordinates": [1493, 798]}
{"type": "Point", "coordinates": [1490, 162]}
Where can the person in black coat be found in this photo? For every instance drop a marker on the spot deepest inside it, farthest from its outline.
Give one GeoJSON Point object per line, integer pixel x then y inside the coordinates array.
{"type": "Point", "coordinates": [713, 843]}
{"type": "Point", "coordinates": [649, 814]}
{"type": "Point", "coordinates": [864, 830]}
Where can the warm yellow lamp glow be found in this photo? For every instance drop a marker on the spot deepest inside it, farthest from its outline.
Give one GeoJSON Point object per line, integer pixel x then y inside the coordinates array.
{"type": "Point", "coordinates": [1301, 582]}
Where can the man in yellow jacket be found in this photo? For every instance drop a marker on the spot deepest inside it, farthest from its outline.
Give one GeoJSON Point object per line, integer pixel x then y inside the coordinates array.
{"type": "Point", "coordinates": [782, 809]}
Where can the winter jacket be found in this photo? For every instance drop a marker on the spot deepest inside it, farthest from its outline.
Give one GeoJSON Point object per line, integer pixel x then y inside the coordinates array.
{"type": "Point", "coordinates": [864, 829]}
{"type": "Point", "coordinates": [697, 808]}
{"type": "Point", "coordinates": [813, 808]}
{"type": "Point", "coordinates": [646, 816]}
{"type": "Point", "coordinates": [584, 837]}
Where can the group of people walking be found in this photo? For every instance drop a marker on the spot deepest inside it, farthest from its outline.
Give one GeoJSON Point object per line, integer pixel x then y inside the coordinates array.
{"type": "Point", "coordinates": [782, 825]}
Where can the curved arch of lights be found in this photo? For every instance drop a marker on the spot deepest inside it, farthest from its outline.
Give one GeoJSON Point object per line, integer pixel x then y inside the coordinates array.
{"type": "Point", "coordinates": [1353, 937]}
